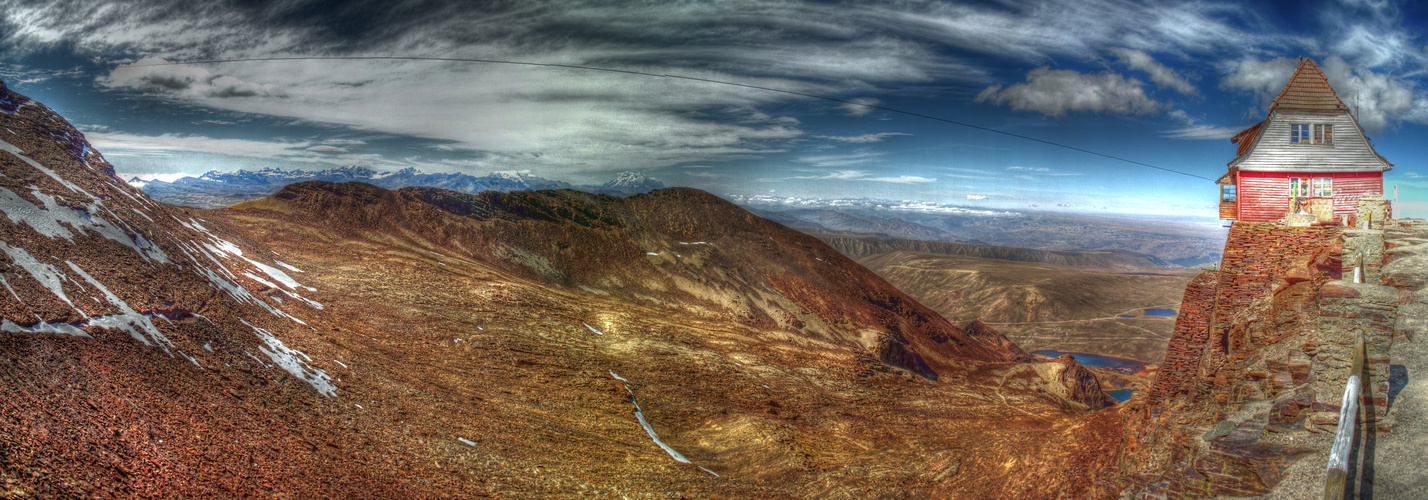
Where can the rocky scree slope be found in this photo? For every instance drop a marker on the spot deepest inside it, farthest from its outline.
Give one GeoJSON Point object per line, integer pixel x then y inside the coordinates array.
{"type": "Point", "coordinates": [147, 352]}
{"type": "Point", "coordinates": [661, 250]}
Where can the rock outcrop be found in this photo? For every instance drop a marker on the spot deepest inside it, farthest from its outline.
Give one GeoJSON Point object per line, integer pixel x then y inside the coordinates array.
{"type": "Point", "coordinates": [1258, 361]}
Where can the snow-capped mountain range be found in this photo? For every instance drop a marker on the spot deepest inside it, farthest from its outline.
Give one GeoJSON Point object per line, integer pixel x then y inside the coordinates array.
{"type": "Point", "coordinates": [220, 189]}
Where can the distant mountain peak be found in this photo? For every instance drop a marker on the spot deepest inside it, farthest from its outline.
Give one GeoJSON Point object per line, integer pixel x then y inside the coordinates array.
{"type": "Point", "coordinates": [633, 182]}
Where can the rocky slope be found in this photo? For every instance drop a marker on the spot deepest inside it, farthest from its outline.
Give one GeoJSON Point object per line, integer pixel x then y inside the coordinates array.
{"type": "Point", "coordinates": [342, 340]}
{"type": "Point", "coordinates": [1044, 306]}
{"type": "Point", "coordinates": [148, 352]}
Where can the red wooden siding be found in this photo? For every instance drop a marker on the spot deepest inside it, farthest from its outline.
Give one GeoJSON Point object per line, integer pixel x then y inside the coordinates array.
{"type": "Point", "coordinates": [1264, 196]}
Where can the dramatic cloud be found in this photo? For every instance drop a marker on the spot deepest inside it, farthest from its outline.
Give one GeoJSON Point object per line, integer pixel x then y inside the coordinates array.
{"type": "Point", "coordinates": [1055, 92]}
{"type": "Point", "coordinates": [859, 139]}
{"type": "Point", "coordinates": [1263, 78]}
{"type": "Point", "coordinates": [1378, 99]}
{"type": "Point", "coordinates": [113, 144]}
{"type": "Point", "coordinates": [1159, 73]}
{"type": "Point", "coordinates": [157, 75]}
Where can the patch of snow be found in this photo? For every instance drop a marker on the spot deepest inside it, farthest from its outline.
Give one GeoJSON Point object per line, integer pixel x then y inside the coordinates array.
{"type": "Point", "coordinates": [344, 365]}
{"type": "Point", "coordinates": [47, 275]}
{"type": "Point", "coordinates": [466, 442]}
{"type": "Point", "coordinates": [818, 259]}
{"type": "Point", "coordinates": [289, 267]}
{"type": "Point", "coordinates": [587, 325]}
{"type": "Point", "coordinates": [716, 474]}
{"type": "Point", "coordinates": [47, 221]}
{"type": "Point", "coordinates": [129, 320]}
{"type": "Point", "coordinates": [618, 377]}
{"type": "Point", "coordinates": [191, 359]}
{"type": "Point", "coordinates": [5, 146]}
{"type": "Point", "coordinates": [640, 415]}
{"type": "Point", "coordinates": [141, 214]}
{"type": "Point", "coordinates": [208, 345]}
{"type": "Point", "coordinates": [287, 358]}
{"type": "Point", "coordinates": [652, 253]}
{"type": "Point", "coordinates": [359, 407]}
{"type": "Point", "coordinates": [12, 290]}
{"type": "Point", "coordinates": [43, 327]}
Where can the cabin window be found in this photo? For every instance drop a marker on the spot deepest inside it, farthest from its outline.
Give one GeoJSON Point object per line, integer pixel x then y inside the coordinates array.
{"type": "Point", "coordinates": [1298, 188]}
{"type": "Point", "coordinates": [1227, 193]}
{"type": "Point", "coordinates": [1323, 187]}
{"type": "Point", "coordinates": [1311, 133]}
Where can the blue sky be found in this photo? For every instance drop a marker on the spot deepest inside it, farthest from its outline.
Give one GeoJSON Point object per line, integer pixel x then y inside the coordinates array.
{"type": "Point", "coordinates": [1164, 83]}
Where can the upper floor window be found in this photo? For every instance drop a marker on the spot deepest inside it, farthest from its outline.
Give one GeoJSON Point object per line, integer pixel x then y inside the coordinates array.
{"type": "Point", "coordinates": [1315, 133]}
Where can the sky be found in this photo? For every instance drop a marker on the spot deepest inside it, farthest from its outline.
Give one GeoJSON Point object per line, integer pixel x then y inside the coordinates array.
{"type": "Point", "coordinates": [1162, 83]}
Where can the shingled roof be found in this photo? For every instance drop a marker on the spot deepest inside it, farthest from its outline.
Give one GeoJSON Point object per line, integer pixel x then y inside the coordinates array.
{"type": "Point", "coordinates": [1308, 90]}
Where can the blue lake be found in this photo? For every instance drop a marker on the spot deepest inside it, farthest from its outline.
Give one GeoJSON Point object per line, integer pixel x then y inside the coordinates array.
{"type": "Point", "coordinates": [1159, 312]}
{"type": "Point", "coordinates": [1127, 315]}
{"type": "Point", "coordinates": [1121, 395]}
{"type": "Point", "coordinates": [1095, 359]}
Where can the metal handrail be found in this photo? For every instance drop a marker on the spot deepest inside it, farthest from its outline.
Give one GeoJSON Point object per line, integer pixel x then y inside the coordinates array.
{"type": "Point", "coordinates": [1344, 439]}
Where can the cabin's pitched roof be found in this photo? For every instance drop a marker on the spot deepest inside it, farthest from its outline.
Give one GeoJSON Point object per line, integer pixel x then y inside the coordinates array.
{"type": "Point", "coordinates": [1246, 137]}
{"type": "Point", "coordinates": [1308, 90]}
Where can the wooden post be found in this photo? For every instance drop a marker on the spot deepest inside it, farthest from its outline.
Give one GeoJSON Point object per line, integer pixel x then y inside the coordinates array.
{"type": "Point", "coordinates": [1343, 440]}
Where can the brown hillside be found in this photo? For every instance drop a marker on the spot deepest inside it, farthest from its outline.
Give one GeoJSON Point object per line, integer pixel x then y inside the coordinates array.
{"type": "Point", "coordinates": [1043, 306]}
{"type": "Point", "coordinates": [859, 247]}
{"type": "Point", "coordinates": [343, 341]}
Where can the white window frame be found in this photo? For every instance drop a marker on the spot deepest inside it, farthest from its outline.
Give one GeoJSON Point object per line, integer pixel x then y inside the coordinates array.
{"type": "Point", "coordinates": [1320, 134]}
{"type": "Point", "coordinates": [1322, 187]}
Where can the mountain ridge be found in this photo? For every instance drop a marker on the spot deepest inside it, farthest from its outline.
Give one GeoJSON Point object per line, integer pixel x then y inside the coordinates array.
{"type": "Point", "coordinates": [215, 189]}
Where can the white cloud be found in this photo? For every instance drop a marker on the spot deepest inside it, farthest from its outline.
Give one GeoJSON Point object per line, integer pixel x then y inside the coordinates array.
{"type": "Point", "coordinates": [861, 139]}
{"type": "Point", "coordinates": [1378, 99]}
{"type": "Point", "coordinates": [844, 160]}
{"type": "Point", "coordinates": [863, 175]}
{"type": "Point", "coordinates": [976, 197]}
{"type": "Point", "coordinates": [1159, 73]}
{"type": "Point", "coordinates": [858, 106]}
{"type": "Point", "coordinates": [1028, 169]}
{"type": "Point", "coordinates": [343, 142]}
{"type": "Point", "coordinates": [116, 143]}
{"type": "Point", "coordinates": [1202, 132]}
{"type": "Point", "coordinates": [1263, 78]}
{"type": "Point", "coordinates": [1055, 92]}
{"type": "Point", "coordinates": [707, 175]}
{"type": "Point", "coordinates": [327, 149]}
{"type": "Point", "coordinates": [158, 75]}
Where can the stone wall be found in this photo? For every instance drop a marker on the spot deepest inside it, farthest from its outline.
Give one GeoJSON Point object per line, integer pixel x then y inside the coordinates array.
{"type": "Point", "coordinates": [1187, 341]}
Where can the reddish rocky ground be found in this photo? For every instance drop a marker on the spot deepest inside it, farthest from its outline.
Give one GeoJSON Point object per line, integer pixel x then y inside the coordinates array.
{"type": "Point", "coordinates": [343, 341]}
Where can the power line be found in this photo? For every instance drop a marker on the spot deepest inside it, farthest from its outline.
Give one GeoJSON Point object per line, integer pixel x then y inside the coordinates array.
{"type": "Point", "coordinates": [657, 75]}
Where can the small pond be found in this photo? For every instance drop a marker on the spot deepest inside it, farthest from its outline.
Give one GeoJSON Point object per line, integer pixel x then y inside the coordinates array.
{"type": "Point", "coordinates": [1121, 395]}
{"type": "Point", "coordinates": [1159, 312]}
{"type": "Point", "coordinates": [1095, 360]}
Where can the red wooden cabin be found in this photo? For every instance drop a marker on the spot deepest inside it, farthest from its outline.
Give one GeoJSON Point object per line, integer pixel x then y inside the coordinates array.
{"type": "Point", "coordinates": [1309, 155]}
